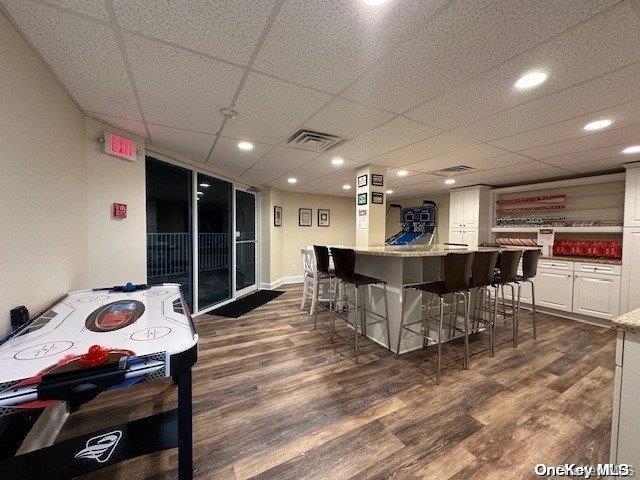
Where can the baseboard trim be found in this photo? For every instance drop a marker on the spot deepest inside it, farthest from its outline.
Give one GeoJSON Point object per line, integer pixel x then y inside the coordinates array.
{"type": "Point", "coordinates": [281, 281]}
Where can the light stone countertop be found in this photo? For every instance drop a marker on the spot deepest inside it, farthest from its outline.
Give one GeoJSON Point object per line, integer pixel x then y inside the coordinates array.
{"type": "Point", "coordinates": [604, 261]}
{"type": "Point", "coordinates": [419, 251]}
{"type": "Point", "coordinates": [630, 321]}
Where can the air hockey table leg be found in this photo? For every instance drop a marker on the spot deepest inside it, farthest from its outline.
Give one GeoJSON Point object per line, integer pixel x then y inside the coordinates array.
{"type": "Point", "coordinates": [185, 425]}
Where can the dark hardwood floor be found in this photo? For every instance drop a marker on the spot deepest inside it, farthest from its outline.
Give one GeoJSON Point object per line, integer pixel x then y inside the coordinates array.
{"type": "Point", "coordinates": [273, 399]}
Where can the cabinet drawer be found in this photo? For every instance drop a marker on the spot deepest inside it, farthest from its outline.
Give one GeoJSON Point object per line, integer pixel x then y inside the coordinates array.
{"type": "Point", "coordinates": [600, 268]}
{"type": "Point", "coordinates": [596, 295]}
{"type": "Point", "coordinates": [558, 265]}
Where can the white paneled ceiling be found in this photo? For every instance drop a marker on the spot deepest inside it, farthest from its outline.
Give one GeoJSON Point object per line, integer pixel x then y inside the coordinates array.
{"type": "Point", "coordinates": [420, 85]}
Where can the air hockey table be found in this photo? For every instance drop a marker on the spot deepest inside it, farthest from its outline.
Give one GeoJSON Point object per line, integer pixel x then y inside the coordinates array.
{"type": "Point", "coordinates": [90, 341]}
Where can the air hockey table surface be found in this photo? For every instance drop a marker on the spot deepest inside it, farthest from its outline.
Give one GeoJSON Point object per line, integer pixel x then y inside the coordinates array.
{"type": "Point", "coordinates": [143, 323]}
{"type": "Point", "coordinates": [91, 341]}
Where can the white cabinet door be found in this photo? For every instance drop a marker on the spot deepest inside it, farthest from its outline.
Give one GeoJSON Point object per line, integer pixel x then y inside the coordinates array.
{"type": "Point", "coordinates": [629, 420]}
{"type": "Point", "coordinates": [596, 295]}
{"type": "Point", "coordinates": [632, 198]}
{"type": "Point", "coordinates": [470, 237]}
{"type": "Point", "coordinates": [456, 235]}
{"type": "Point", "coordinates": [471, 208]}
{"type": "Point", "coordinates": [456, 209]}
{"type": "Point", "coordinates": [554, 289]}
{"type": "Point", "coordinates": [630, 289]}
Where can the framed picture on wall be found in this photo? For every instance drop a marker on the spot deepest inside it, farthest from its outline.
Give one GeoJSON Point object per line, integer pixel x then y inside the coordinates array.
{"type": "Point", "coordinates": [277, 216]}
{"type": "Point", "coordinates": [305, 217]}
{"type": "Point", "coordinates": [362, 181]}
{"type": "Point", "coordinates": [377, 180]}
{"type": "Point", "coordinates": [324, 218]}
{"type": "Point", "coordinates": [362, 199]}
{"type": "Point", "coordinates": [377, 197]}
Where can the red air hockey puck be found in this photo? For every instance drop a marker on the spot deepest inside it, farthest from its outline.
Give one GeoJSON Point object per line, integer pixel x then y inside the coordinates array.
{"type": "Point", "coordinates": [95, 356]}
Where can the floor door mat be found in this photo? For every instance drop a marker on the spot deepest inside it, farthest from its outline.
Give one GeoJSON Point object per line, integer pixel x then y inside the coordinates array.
{"type": "Point", "coordinates": [244, 305]}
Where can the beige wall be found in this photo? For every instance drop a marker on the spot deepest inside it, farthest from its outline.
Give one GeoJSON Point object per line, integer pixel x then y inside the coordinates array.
{"type": "Point", "coordinates": [116, 248]}
{"type": "Point", "coordinates": [442, 201]}
{"type": "Point", "coordinates": [282, 249]}
{"type": "Point", "coordinates": [43, 249]}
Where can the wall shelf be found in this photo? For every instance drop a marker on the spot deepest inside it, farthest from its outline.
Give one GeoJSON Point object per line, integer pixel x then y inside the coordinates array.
{"type": "Point", "coordinates": [594, 229]}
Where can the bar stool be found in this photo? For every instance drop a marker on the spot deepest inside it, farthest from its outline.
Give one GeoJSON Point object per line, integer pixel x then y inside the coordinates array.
{"type": "Point", "coordinates": [508, 262]}
{"type": "Point", "coordinates": [312, 279]}
{"type": "Point", "coordinates": [344, 261]}
{"type": "Point", "coordinates": [457, 272]}
{"type": "Point", "coordinates": [325, 272]}
{"type": "Point", "coordinates": [529, 270]}
{"type": "Point", "coordinates": [482, 278]}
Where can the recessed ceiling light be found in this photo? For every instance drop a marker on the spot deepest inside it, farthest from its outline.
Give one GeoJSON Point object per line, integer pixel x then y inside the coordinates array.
{"type": "Point", "coordinates": [346, 186]}
{"type": "Point", "coordinates": [200, 193]}
{"type": "Point", "coordinates": [205, 185]}
{"type": "Point", "coordinates": [374, 3]}
{"type": "Point", "coordinates": [337, 160]}
{"type": "Point", "coordinates": [292, 180]}
{"type": "Point", "coordinates": [247, 146]}
{"type": "Point", "coordinates": [449, 181]}
{"type": "Point", "coordinates": [530, 80]}
{"type": "Point", "coordinates": [389, 192]}
{"type": "Point", "coordinates": [597, 125]}
{"type": "Point", "coordinates": [402, 173]}
{"type": "Point", "coordinates": [632, 149]}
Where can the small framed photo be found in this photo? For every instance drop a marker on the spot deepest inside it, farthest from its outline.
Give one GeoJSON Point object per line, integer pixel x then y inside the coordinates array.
{"type": "Point", "coordinates": [362, 181]}
{"type": "Point", "coordinates": [277, 216]}
{"type": "Point", "coordinates": [377, 181]}
{"type": "Point", "coordinates": [305, 217]}
{"type": "Point", "coordinates": [362, 199]}
{"type": "Point", "coordinates": [377, 197]}
{"type": "Point", "coordinates": [324, 218]}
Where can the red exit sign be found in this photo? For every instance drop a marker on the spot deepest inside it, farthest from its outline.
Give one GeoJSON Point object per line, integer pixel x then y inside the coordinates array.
{"type": "Point", "coordinates": [119, 146]}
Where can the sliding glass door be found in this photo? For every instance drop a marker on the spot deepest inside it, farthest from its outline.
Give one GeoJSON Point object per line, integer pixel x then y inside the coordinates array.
{"type": "Point", "coordinates": [215, 223]}
{"type": "Point", "coordinates": [169, 232]}
{"type": "Point", "coordinates": [201, 233]}
{"type": "Point", "coordinates": [246, 241]}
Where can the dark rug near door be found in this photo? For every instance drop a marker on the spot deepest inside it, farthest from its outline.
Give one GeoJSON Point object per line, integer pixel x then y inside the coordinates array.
{"type": "Point", "coordinates": [244, 305]}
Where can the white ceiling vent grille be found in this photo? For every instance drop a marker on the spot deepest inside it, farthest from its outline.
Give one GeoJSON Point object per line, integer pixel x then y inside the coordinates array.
{"type": "Point", "coordinates": [457, 169]}
{"type": "Point", "coordinates": [316, 141]}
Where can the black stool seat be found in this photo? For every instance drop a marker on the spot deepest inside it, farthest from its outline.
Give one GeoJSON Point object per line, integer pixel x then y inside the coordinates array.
{"type": "Point", "coordinates": [359, 279]}
{"type": "Point", "coordinates": [437, 288]}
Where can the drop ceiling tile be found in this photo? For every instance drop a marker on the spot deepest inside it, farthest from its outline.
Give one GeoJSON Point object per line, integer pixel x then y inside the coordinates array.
{"type": "Point", "coordinates": [630, 135]}
{"type": "Point", "coordinates": [436, 145]}
{"type": "Point", "coordinates": [607, 164]}
{"type": "Point", "coordinates": [227, 153]}
{"type": "Point", "coordinates": [476, 156]}
{"type": "Point", "coordinates": [192, 144]}
{"type": "Point", "coordinates": [259, 177]}
{"type": "Point", "coordinates": [282, 184]}
{"type": "Point", "coordinates": [132, 126]}
{"type": "Point", "coordinates": [326, 43]}
{"type": "Point", "coordinates": [447, 52]}
{"type": "Point", "coordinates": [92, 8]}
{"type": "Point", "coordinates": [284, 159]}
{"type": "Point", "coordinates": [603, 43]}
{"type": "Point", "coordinates": [412, 179]}
{"type": "Point", "coordinates": [178, 88]}
{"type": "Point", "coordinates": [626, 115]}
{"type": "Point", "coordinates": [588, 156]}
{"type": "Point", "coordinates": [614, 88]}
{"type": "Point", "coordinates": [321, 165]}
{"type": "Point", "coordinates": [272, 110]}
{"type": "Point", "coordinates": [228, 29]}
{"type": "Point", "coordinates": [82, 53]}
{"type": "Point", "coordinates": [347, 119]}
{"type": "Point", "coordinates": [395, 134]}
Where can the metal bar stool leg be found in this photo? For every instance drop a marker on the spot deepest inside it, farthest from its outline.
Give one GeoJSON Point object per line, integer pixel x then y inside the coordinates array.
{"type": "Point", "coordinates": [492, 335]}
{"type": "Point", "coordinates": [467, 306]}
{"type": "Point", "coordinates": [440, 340]}
{"type": "Point", "coordinates": [355, 326]}
{"type": "Point", "coordinates": [514, 316]}
{"type": "Point", "coordinates": [533, 309]}
{"type": "Point", "coordinates": [365, 290]}
{"type": "Point", "coordinates": [402, 302]}
{"type": "Point", "coordinates": [386, 315]}
{"type": "Point", "coordinates": [516, 320]}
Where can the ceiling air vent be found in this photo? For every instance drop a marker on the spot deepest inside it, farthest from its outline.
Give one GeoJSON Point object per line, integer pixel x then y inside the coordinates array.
{"type": "Point", "coordinates": [457, 169]}
{"type": "Point", "coordinates": [316, 141]}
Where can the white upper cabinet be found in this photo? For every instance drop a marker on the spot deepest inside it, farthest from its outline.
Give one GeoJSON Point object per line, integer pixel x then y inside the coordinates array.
{"type": "Point", "coordinates": [456, 209]}
{"type": "Point", "coordinates": [469, 215]}
{"type": "Point", "coordinates": [632, 197]}
{"type": "Point", "coordinates": [471, 208]}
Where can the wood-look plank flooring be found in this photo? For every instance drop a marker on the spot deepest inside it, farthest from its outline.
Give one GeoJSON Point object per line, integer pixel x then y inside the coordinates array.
{"type": "Point", "coordinates": [273, 399]}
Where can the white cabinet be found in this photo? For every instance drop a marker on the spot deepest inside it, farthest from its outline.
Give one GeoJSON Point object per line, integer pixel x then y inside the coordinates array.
{"type": "Point", "coordinates": [469, 216]}
{"type": "Point", "coordinates": [456, 209]}
{"type": "Point", "coordinates": [630, 291]}
{"type": "Point", "coordinates": [464, 236]}
{"type": "Point", "coordinates": [554, 288]}
{"type": "Point", "coordinates": [471, 208]}
{"type": "Point", "coordinates": [456, 235]}
{"type": "Point", "coordinates": [632, 196]}
{"type": "Point", "coordinates": [596, 295]}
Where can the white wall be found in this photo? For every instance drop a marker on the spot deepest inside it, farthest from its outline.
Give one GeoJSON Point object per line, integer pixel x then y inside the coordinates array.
{"type": "Point", "coordinates": [43, 250]}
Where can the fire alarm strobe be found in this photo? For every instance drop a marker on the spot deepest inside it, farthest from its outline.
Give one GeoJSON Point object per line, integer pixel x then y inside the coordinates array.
{"type": "Point", "coordinates": [118, 146]}
{"type": "Point", "coordinates": [119, 210]}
